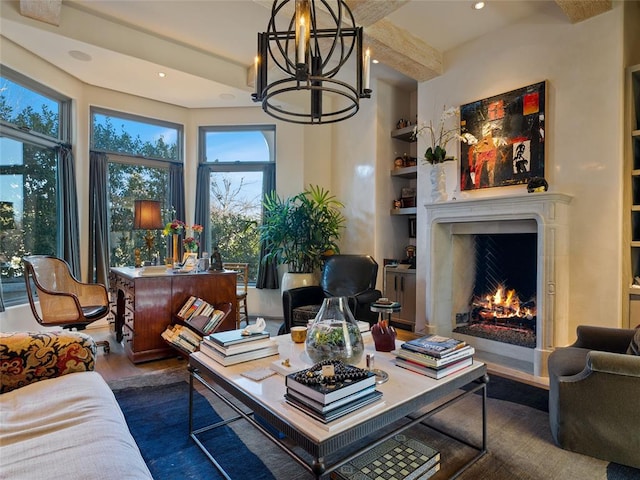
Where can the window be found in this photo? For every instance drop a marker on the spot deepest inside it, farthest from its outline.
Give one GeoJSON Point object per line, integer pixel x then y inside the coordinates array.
{"type": "Point", "coordinates": [241, 163]}
{"type": "Point", "coordinates": [34, 123]}
{"type": "Point", "coordinates": [140, 153]}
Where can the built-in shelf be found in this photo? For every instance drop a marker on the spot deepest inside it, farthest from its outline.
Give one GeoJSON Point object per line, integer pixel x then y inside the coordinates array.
{"type": "Point", "coordinates": [405, 134]}
{"type": "Point", "coordinates": [412, 172]}
{"type": "Point", "coordinates": [404, 211]}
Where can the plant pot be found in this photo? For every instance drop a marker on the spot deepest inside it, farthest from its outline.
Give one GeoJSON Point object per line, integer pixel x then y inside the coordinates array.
{"type": "Point", "coordinates": [438, 183]}
{"type": "Point", "coordinates": [295, 280]}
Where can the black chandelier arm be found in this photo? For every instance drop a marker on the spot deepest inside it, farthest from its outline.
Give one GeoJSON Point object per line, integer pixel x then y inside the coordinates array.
{"type": "Point", "coordinates": [303, 53]}
{"type": "Point", "coordinates": [279, 87]}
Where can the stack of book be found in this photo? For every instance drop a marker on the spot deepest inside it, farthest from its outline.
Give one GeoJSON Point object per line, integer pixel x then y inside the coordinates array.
{"type": "Point", "coordinates": [231, 347]}
{"type": "Point", "coordinates": [331, 389]}
{"type": "Point", "coordinates": [201, 314]}
{"type": "Point", "coordinates": [434, 356]}
{"type": "Point", "coordinates": [182, 338]}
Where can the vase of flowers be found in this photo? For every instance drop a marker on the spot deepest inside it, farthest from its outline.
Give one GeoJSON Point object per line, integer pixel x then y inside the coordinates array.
{"type": "Point", "coordinates": [173, 228]}
{"type": "Point", "coordinates": [436, 153]}
{"type": "Point", "coordinates": [190, 244]}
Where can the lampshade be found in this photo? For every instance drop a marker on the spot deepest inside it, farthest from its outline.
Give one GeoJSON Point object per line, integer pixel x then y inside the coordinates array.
{"type": "Point", "coordinates": [311, 48]}
{"type": "Point", "coordinates": [147, 215]}
{"type": "Point", "coordinates": [7, 221]}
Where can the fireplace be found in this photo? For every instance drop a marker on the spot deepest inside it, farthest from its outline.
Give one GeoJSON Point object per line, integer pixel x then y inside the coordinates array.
{"type": "Point", "coordinates": [454, 230]}
{"type": "Point", "coordinates": [500, 300]}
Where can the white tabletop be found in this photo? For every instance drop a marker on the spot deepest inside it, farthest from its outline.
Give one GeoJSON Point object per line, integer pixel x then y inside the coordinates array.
{"type": "Point", "coordinates": [403, 385]}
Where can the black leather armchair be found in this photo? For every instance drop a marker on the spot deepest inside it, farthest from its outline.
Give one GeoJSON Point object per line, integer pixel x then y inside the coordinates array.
{"type": "Point", "coordinates": [351, 276]}
{"type": "Point", "coordinates": [594, 387]}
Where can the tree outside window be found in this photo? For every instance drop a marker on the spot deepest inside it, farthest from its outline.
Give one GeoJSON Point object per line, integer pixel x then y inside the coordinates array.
{"type": "Point", "coordinates": [33, 127]}
{"type": "Point", "coordinates": [241, 167]}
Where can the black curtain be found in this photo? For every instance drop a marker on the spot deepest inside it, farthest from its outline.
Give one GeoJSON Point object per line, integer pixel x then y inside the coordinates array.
{"type": "Point", "coordinates": [267, 270]}
{"type": "Point", "coordinates": [203, 207]}
{"type": "Point", "coordinates": [176, 199]}
{"type": "Point", "coordinates": [99, 247]}
{"type": "Point", "coordinates": [70, 241]}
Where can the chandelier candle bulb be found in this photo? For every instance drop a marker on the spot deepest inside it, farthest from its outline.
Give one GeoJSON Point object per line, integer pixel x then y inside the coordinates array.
{"type": "Point", "coordinates": [367, 64]}
{"type": "Point", "coordinates": [301, 41]}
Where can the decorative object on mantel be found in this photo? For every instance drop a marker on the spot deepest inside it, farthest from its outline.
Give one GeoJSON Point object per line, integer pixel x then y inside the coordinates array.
{"type": "Point", "coordinates": [310, 48]}
{"type": "Point", "coordinates": [502, 139]}
{"type": "Point", "coordinates": [537, 184]}
{"type": "Point", "coordinates": [436, 153]}
{"type": "Point", "coordinates": [438, 179]}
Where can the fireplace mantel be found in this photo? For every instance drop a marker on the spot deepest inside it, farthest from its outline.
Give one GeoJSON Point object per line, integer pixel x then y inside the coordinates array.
{"type": "Point", "coordinates": [549, 213]}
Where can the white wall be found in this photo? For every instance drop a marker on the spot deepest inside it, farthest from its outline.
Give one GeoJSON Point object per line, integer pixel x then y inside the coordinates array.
{"type": "Point", "coordinates": [583, 66]}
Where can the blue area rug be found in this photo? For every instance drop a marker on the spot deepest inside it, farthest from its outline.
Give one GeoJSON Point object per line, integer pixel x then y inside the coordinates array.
{"type": "Point", "coordinates": [158, 419]}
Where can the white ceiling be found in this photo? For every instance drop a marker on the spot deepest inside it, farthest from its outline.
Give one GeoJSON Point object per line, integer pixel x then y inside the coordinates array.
{"type": "Point", "coordinates": [206, 46]}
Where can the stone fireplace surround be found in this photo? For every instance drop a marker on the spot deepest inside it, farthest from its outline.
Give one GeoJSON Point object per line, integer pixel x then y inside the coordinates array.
{"type": "Point", "coordinates": [449, 223]}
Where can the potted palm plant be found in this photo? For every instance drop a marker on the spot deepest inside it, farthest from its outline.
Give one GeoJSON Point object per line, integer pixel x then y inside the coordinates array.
{"type": "Point", "coordinates": [298, 231]}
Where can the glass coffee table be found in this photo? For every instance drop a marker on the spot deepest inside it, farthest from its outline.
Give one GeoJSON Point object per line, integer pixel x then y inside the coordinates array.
{"type": "Point", "coordinates": [407, 396]}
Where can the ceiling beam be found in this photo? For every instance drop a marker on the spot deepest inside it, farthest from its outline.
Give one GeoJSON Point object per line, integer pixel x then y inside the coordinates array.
{"type": "Point", "coordinates": [402, 51]}
{"type": "Point", "coordinates": [43, 10]}
{"type": "Point", "coordinates": [367, 12]}
{"type": "Point", "coordinates": [579, 10]}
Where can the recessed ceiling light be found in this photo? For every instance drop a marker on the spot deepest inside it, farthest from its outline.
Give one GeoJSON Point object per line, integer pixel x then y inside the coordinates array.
{"type": "Point", "coordinates": [375, 61]}
{"type": "Point", "coordinates": [162, 74]}
{"type": "Point", "coordinates": [478, 5]}
{"type": "Point", "coordinates": [78, 55]}
{"type": "Point", "coordinates": [227, 96]}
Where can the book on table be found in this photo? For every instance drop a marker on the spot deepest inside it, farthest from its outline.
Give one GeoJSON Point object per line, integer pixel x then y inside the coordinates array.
{"type": "Point", "coordinates": [232, 337]}
{"type": "Point", "coordinates": [433, 372]}
{"type": "Point", "coordinates": [399, 457]}
{"type": "Point", "coordinates": [239, 347]}
{"type": "Point", "coordinates": [227, 360]}
{"type": "Point", "coordinates": [434, 345]}
{"type": "Point", "coordinates": [435, 362]}
{"type": "Point", "coordinates": [338, 412]}
{"type": "Point", "coordinates": [323, 408]}
{"type": "Point", "coordinates": [345, 380]}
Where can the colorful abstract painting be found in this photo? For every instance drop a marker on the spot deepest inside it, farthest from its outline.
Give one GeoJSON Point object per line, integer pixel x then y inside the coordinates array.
{"type": "Point", "coordinates": [504, 139]}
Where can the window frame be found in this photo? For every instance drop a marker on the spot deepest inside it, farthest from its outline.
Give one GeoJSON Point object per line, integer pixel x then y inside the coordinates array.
{"type": "Point", "coordinates": [267, 168]}
{"type": "Point", "coordinates": [141, 119]}
{"type": "Point", "coordinates": [20, 134]}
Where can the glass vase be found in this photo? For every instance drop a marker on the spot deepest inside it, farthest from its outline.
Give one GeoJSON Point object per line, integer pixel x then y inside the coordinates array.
{"type": "Point", "coordinates": [334, 334]}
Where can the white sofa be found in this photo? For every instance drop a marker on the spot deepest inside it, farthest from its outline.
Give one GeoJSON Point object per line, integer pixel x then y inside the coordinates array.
{"type": "Point", "coordinates": [58, 417]}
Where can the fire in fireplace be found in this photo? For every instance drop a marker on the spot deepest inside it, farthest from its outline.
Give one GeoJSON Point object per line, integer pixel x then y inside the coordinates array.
{"type": "Point", "coordinates": [497, 311]}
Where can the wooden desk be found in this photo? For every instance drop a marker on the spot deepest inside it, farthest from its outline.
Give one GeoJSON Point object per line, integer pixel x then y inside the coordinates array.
{"type": "Point", "coordinates": [143, 306]}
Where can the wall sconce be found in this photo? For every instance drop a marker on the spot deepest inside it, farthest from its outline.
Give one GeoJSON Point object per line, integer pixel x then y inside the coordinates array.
{"type": "Point", "coordinates": [146, 216]}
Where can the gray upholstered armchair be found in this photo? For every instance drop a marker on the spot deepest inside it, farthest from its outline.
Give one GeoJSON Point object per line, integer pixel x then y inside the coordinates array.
{"type": "Point", "coordinates": [594, 396]}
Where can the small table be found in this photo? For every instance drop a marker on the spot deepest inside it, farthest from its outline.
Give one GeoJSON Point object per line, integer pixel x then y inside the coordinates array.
{"type": "Point", "coordinates": [388, 310]}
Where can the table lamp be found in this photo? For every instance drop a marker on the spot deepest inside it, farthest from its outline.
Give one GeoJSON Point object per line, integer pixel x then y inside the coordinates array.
{"type": "Point", "coordinates": [147, 217]}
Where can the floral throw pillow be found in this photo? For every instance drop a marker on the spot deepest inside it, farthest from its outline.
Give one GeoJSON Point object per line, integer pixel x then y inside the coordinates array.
{"type": "Point", "coordinates": [27, 357]}
{"type": "Point", "coordinates": [634, 346]}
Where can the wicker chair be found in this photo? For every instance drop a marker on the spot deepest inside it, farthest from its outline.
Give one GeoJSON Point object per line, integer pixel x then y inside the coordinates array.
{"type": "Point", "coordinates": [64, 301]}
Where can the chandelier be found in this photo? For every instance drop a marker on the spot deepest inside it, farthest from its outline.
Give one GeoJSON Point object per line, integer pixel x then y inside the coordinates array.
{"type": "Point", "coordinates": [311, 47]}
